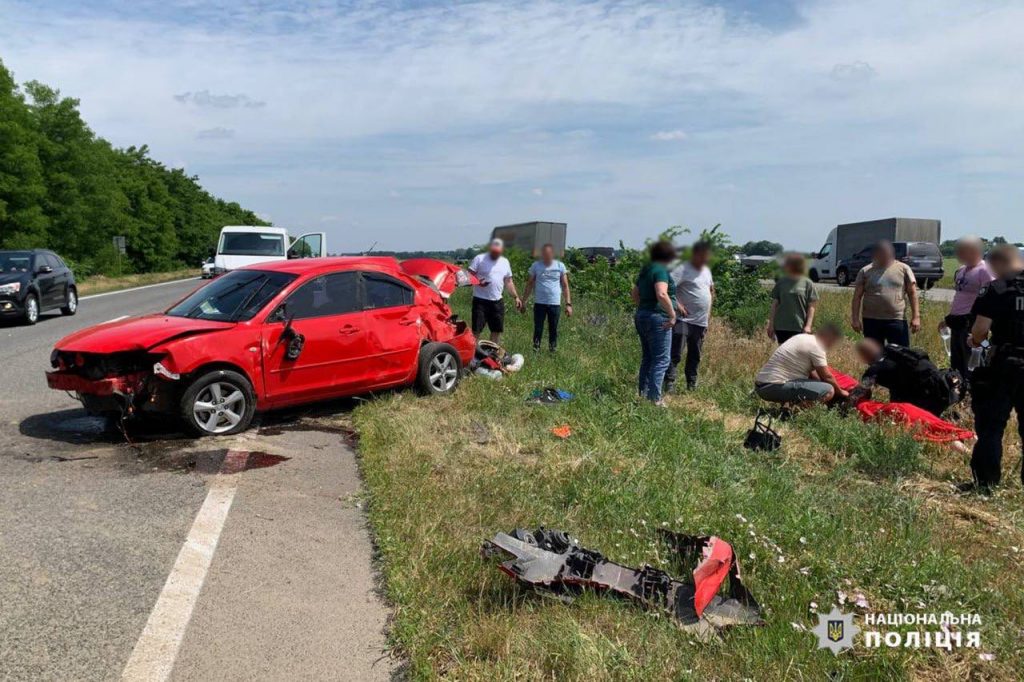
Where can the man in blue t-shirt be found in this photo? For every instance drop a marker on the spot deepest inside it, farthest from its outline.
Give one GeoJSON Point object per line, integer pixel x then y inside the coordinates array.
{"type": "Point", "coordinates": [549, 280]}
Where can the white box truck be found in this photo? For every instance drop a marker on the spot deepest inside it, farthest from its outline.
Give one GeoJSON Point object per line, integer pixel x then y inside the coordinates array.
{"type": "Point", "coordinates": [530, 237]}
{"type": "Point", "coordinates": [845, 241]}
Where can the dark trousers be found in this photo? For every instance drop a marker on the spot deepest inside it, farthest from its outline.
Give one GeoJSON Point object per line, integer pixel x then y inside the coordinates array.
{"type": "Point", "coordinates": [782, 336]}
{"type": "Point", "coordinates": [887, 331]}
{"type": "Point", "coordinates": [992, 405]}
{"type": "Point", "coordinates": [959, 351]}
{"type": "Point", "coordinates": [693, 337]}
{"type": "Point", "coordinates": [551, 313]}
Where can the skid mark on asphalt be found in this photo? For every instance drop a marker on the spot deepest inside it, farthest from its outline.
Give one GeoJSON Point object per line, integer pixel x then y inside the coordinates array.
{"type": "Point", "coordinates": [154, 654]}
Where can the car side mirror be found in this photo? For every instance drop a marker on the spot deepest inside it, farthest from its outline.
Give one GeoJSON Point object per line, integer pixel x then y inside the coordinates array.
{"type": "Point", "coordinates": [44, 270]}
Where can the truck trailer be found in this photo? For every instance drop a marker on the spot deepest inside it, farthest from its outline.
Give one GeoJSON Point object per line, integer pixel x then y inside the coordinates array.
{"type": "Point", "coordinates": [848, 240]}
{"type": "Point", "coordinates": [532, 236]}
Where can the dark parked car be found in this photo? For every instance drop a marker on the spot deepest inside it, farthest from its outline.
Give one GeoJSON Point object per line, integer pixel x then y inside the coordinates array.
{"type": "Point", "coordinates": [924, 258]}
{"type": "Point", "coordinates": [33, 281]}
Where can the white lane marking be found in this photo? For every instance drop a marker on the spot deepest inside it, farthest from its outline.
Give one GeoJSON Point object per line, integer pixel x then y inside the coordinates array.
{"type": "Point", "coordinates": [155, 652]}
{"type": "Point", "coordinates": [127, 291]}
{"type": "Point", "coordinates": [116, 319]}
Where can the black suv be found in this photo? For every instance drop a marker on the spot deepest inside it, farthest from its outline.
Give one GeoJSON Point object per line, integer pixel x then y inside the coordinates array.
{"type": "Point", "coordinates": [33, 281]}
{"type": "Point", "coordinates": [924, 258]}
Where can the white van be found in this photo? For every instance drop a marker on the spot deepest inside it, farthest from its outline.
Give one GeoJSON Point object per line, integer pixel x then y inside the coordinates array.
{"type": "Point", "coordinates": [241, 245]}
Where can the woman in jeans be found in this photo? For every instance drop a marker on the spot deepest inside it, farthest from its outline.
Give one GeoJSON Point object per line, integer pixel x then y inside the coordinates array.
{"type": "Point", "coordinates": [793, 301]}
{"type": "Point", "coordinates": [654, 295]}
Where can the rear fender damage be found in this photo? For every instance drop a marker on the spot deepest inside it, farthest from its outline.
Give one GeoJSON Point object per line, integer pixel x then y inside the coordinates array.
{"type": "Point", "coordinates": [552, 562]}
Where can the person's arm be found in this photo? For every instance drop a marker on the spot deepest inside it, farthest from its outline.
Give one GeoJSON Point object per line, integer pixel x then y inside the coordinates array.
{"type": "Point", "coordinates": [531, 281]}
{"type": "Point", "coordinates": [915, 303]}
{"type": "Point", "coordinates": [858, 298]}
{"type": "Point", "coordinates": [665, 303]}
{"type": "Point", "coordinates": [825, 374]}
{"type": "Point", "coordinates": [567, 294]}
{"type": "Point", "coordinates": [980, 330]}
{"type": "Point", "coordinates": [809, 324]}
{"type": "Point", "coordinates": [771, 318]}
{"type": "Point", "coordinates": [510, 285]}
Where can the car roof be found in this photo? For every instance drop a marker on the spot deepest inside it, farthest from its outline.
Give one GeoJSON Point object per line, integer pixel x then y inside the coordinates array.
{"type": "Point", "coordinates": [300, 266]}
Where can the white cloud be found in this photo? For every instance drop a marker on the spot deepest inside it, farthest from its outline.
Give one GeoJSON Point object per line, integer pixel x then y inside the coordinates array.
{"type": "Point", "coordinates": [470, 106]}
{"type": "Point", "coordinates": [216, 133]}
{"type": "Point", "coordinates": [669, 135]}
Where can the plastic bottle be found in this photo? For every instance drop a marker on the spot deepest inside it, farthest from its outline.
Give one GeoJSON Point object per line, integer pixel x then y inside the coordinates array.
{"type": "Point", "coordinates": [977, 358]}
{"type": "Point", "coordinates": [945, 335]}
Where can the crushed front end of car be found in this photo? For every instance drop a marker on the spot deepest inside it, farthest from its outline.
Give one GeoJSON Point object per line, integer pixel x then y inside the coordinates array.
{"type": "Point", "coordinates": [114, 384]}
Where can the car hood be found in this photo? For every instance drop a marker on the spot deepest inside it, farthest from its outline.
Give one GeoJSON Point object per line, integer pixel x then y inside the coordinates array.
{"type": "Point", "coordinates": [137, 333]}
{"type": "Point", "coordinates": [8, 277]}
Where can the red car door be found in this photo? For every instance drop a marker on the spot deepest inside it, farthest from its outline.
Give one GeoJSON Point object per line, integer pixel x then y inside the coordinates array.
{"type": "Point", "coordinates": [327, 312]}
{"type": "Point", "coordinates": [392, 324]}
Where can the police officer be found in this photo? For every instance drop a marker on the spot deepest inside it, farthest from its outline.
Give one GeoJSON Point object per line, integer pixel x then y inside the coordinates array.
{"type": "Point", "coordinates": [999, 386]}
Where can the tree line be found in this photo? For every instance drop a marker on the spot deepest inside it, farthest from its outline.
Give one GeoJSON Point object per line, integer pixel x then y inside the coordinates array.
{"type": "Point", "coordinates": [64, 188]}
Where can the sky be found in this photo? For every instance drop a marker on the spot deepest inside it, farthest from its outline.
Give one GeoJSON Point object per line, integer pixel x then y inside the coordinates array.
{"type": "Point", "coordinates": [419, 125]}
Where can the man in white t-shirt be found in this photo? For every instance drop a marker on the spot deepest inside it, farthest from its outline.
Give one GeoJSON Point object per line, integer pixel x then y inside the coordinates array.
{"type": "Point", "coordinates": [695, 293]}
{"type": "Point", "coordinates": [797, 372]}
{"type": "Point", "coordinates": [494, 275]}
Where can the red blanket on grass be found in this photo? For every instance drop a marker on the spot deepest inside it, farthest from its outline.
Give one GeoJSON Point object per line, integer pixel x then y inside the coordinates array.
{"type": "Point", "coordinates": [922, 424]}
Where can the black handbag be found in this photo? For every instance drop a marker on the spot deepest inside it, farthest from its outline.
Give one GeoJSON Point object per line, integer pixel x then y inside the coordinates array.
{"type": "Point", "coordinates": [762, 436]}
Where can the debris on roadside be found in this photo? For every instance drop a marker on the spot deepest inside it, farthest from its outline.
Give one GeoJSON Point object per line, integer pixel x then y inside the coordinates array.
{"type": "Point", "coordinates": [763, 437]}
{"type": "Point", "coordinates": [549, 396]}
{"type": "Point", "coordinates": [553, 563]}
{"type": "Point", "coordinates": [493, 361]}
{"type": "Point", "coordinates": [563, 431]}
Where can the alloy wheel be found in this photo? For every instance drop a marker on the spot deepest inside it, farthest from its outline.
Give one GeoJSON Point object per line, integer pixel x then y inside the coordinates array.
{"type": "Point", "coordinates": [32, 309]}
{"type": "Point", "coordinates": [444, 371]}
{"type": "Point", "coordinates": [72, 301]}
{"type": "Point", "coordinates": [219, 407]}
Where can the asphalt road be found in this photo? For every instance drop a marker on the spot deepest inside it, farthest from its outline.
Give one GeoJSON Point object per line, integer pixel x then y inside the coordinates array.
{"type": "Point", "coordinates": [274, 581]}
{"type": "Point", "coordinates": [940, 295]}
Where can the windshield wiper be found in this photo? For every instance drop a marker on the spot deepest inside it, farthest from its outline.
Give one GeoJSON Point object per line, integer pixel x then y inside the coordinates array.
{"type": "Point", "coordinates": [249, 299]}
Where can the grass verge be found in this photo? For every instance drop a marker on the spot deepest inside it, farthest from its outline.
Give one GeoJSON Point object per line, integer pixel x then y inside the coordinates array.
{"type": "Point", "coordinates": [100, 284]}
{"type": "Point", "coordinates": [843, 507]}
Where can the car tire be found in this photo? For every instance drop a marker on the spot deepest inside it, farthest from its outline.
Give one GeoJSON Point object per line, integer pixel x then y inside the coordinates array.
{"type": "Point", "coordinates": [218, 403]}
{"type": "Point", "coordinates": [843, 277]}
{"type": "Point", "coordinates": [926, 284]}
{"type": "Point", "coordinates": [815, 277]}
{"type": "Point", "coordinates": [31, 314]}
{"type": "Point", "coordinates": [440, 369]}
{"type": "Point", "coordinates": [70, 306]}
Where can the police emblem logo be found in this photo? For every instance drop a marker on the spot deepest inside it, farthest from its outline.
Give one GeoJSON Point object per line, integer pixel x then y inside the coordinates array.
{"type": "Point", "coordinates": [835, 630]}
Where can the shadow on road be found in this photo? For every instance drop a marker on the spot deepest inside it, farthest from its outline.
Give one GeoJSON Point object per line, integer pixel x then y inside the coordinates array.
{"type": "Point", "coordinates": [9, 322]}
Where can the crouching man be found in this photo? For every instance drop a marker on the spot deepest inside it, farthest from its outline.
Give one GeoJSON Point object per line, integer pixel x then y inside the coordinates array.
{"type": "Point", "coordinates": [797, 373]}
{"type": "Point", "coordinates": [910, 376]}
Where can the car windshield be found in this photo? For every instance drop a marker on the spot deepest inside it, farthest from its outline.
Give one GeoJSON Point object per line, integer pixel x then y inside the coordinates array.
{"type": "Point", "coordinates": [15, 262]}
{"type": "Point", "coordinates": [251, 244]}
{"type": "Point", "coordinates": [236, 296]}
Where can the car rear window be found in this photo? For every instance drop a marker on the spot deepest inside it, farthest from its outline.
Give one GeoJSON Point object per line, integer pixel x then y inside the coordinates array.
{"type": "Point", "coordinates": [924, 250]}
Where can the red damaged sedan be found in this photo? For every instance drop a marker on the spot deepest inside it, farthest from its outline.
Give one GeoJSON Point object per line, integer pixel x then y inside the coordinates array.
{"type": "Point", "coordinates": [274, 335]}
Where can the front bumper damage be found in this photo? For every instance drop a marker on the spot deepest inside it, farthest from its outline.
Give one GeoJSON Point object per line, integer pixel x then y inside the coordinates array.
{"type": "Point", "coordinates": [120, 384]}
{"type": "Point", "coordinates": [553, 562]}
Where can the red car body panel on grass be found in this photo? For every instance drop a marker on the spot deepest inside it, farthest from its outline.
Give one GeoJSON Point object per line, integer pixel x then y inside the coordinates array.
{"type": "Point", "coordinates": [391, 312]}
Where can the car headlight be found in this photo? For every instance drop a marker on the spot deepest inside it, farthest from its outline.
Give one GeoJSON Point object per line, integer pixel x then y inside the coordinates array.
{"type": "Point", "coordinates": [8, 289]}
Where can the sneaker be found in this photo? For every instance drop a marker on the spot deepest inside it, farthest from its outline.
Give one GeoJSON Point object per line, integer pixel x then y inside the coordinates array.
{"type": "Point", "coordinates": [536, 348]}
{"type": "Point", "coordinates": [691, 385]}
{"type": "Point", "coordinates": [973, 488]}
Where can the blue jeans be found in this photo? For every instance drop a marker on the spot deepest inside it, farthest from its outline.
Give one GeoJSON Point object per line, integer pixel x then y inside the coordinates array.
{"type": "Point", "coordinates": [655, 351]}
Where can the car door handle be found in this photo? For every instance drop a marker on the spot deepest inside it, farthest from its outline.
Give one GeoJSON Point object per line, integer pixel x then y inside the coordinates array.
{"type": "Point", "coordinates": [348, 329]}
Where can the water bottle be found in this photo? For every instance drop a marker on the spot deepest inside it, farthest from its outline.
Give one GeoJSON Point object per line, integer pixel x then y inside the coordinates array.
{"type": "Point", "coordinates": [977, 358]}
{"type": "Point", "coordinates": [945, 335]}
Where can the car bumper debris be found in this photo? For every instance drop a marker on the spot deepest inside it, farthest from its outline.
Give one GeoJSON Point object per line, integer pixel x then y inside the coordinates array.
{"type": "Point", "coordinates": [554, 563]}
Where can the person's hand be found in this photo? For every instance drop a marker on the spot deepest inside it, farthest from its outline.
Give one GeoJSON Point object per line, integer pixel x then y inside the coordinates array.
{"type": "Point", "coordinates": [940, 325]}
{"type": "Point", "coordinates": [807, 329]}
{"type": "Point", "coordinates": [771, 331]}
{"type": "Point", "coordinates": [682, 309]}
{"type": "Point", "coordinates": [915, 325]}
{"type": "Point", "coordinates": [843, 393]}
{"type": "Point", "coordinates": [519, 305]}
{"type": "Point", "coordinates": [856, 324]}
{"type": "Point", "coordinates": [568, 309]}
{"type": "Point", "coordinates": [669, 323]}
